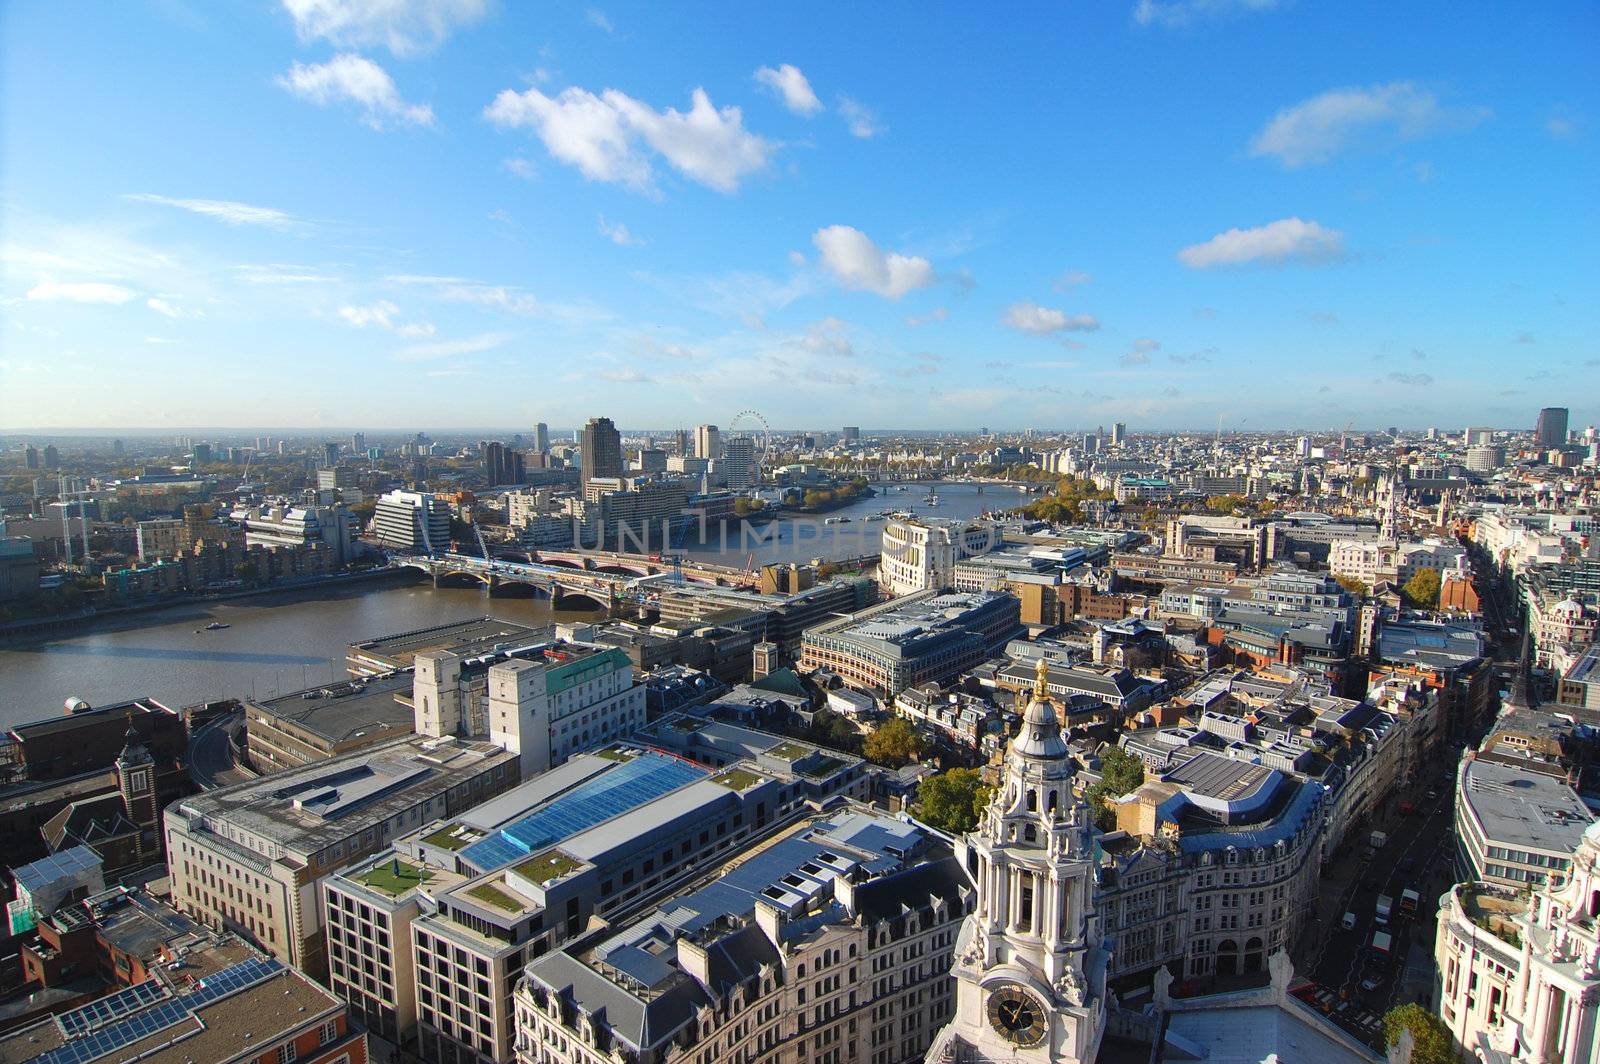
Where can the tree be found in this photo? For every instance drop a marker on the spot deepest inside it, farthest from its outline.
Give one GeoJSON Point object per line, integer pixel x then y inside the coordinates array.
{"type": "Point", "coordinates": [893, 743]}
{"type": "Point", "coordinates": [1355, 585]}
{"type": "Point", "coordinates": [1423, 588]}
{"type": "Point", "coordinates": [1432, 1037]}
{"type": "Point", "coordinates": [1120, 772]}
{"type": "Point", "coordinates": [831, 730]}
{"type": "Point", "coordinates": [949, 801]}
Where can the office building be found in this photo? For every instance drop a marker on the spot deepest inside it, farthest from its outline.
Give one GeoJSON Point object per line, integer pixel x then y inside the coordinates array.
{"type": "Point", "coordinates": [250, 1011]}
{"type": "Point", "coordinates": [250, 858]}
{"type": "Point", "coordinates": [339, 478]}
{"type": "Point", "coordinates": [1485, 458]}
{"type": "Point", "coordinates": [831, 943]}
{"type": "Point", "coordinates": [470, 638]}
{"type": "Point", "coordinates": [623, 514]}
{"type": "Point", "coordinates": [738, 463]}
{"type": "Point", "coordinates": [158, 538]}
{"type": "Point", "coordinates": [1119, 434]}
{"type": "Point", "coordinates": [602, 450]}
{"type": "Point", "coordinates": [850, 434]}
{"type": "Point", "coordinates": [1550, 430]}
{"type": "Point", "coordinates": [30, 457]}
{"type": "Point", "coordinates": [920, 638]}
{"type": "Point", "coordinates": [541, 438]}
{"type": "Point", "coordinates": [412, 521]}
{"type": "Point", "coordinates": [298, 527]}
{"type": "Point", "coordinates": [652, 460]}
{"type": "Point", "coordinates": [324, 722]}
{"type": "Point", "coordinates": [502, 464]}
{"type": "Point", "coordinates": [573, 699]}
{"type": "Point", "coordinates": [921, 554]}
{"type": "Point", "coordinates": [428, 939]}
{"type": "Point", "coordinates": [707, 443]}
{"type": "Point", "coordinates": [1515, 827]}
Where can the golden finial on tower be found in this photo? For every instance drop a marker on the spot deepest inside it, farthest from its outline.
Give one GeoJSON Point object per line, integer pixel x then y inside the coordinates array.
{"type": "Point", "coordinates": [1041, 678]}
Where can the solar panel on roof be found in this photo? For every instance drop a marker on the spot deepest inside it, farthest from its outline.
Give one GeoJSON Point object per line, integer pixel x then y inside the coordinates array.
{"type": "Point", "coordinates": [628, 786]}
{"type": "Point", "coordinates": [111, 1007]}
{"type": "Point", "coordinates": [95, 1042]}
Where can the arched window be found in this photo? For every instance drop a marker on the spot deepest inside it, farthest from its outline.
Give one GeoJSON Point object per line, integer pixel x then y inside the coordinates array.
{"type": "Point", "coordinates": [1029, 834]}
{"type": "Point", "coordinates": [1033, 801]}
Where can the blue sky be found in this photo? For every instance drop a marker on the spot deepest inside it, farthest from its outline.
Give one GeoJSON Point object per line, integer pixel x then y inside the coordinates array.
{"type": "Point", "coordinates": [465, 213]}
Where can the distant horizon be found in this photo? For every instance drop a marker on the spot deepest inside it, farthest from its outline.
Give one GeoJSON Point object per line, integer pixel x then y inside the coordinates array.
{"type": "Point", "coordinates": [487, 432]}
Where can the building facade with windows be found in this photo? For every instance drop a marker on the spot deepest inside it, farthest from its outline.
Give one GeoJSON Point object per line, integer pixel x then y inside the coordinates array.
{"type": "Point", "coordinates": [250, 858]}
{"type": "Point", "coordinates": [921, 555]}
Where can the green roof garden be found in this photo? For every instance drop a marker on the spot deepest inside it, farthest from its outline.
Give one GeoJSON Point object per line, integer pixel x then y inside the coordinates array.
{"type": "Point", "coordinates": [491, 894]}
{"type": "Point", "coordinates": [394, 877]}
{"type": "Point", "coordinates": [453, 837]}
{"type": "Point", "coordinates": [615, 753]}
{"type": "Point", "coordinates": [787, 751]}
{"type": "Point", "coordinates": [823, 769]}
{"type": "Point", "coordinates": [738, 779]}
{"type": "Point", "coordinates": [547, 867]}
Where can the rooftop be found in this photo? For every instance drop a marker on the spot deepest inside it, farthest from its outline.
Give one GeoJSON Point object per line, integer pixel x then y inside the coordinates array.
{"type": "Point", "coordinates": [346, 710]}
{"type": "Point", "coordinates": [1524, 809]}
{"type": "Point", "coordinates": [1430, 644]}
{"type": "Point", "coordinates": [619, 788]}
{"type": "Point", "coordinates": [306, 809]}
{"type": "Point", "coordinates": [479, 635]}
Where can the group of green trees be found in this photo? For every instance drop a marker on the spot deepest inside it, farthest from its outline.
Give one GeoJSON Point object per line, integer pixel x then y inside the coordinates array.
{"type": "Point", "coordinates": [853, 488]}
{"type": "Point", "coordinates": [952, 801]}
{"type": "Point", "coordinates": [1065, 505]}
{"type": "Point", "coordinates": [1431, 1038]}
{"type": "Point", "coordinates": [1120, 772]}
{"type": "Point", "coordinates": [893, 744]}
{"type": "Point", "coordinates": [1422, 590]}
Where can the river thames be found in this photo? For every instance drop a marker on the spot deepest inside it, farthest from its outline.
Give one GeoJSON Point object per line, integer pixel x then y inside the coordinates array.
{"type": "Point", "coordinates": [287, 641]}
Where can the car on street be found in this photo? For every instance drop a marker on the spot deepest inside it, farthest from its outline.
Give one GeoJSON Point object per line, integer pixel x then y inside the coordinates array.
{"type": "Point", "coordinates": [1348, 922]}
{"type": "Point", "coordinates": [1371, 982]}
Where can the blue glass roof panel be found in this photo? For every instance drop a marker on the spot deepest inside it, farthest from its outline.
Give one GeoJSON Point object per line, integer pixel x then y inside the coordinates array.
{"type": "Point", "coordinates": [628, 786]}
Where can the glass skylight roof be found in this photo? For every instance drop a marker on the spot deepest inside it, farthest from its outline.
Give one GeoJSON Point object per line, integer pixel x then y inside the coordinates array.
{"type": "Point", "coordinates": [628, 786]}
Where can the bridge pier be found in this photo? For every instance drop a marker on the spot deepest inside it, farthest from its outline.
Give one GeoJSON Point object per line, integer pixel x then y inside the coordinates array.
{"type": "Point", "coordinates": [491, 586]}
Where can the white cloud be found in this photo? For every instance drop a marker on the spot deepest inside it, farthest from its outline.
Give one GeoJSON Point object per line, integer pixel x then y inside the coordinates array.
{"type": "Point", "coordinates": [384, 315]}
{"type": "Point", "coordinates": [792, 87]}
{"type": "Point", "coordinates": [170, 309]}
{"type": "Point", "coordinates": [1319, 128]}
{"type": "Point", "coordinates": [230, 211]}
{"type": "Point", "coordinates": [597, 18]}
{"type": "Point", "coordinates": [522, 168]}
{"type": "Point", "coordinates": [499, 297]}
{"type": "Point", "coordinates": [623, 376]}
{"type": "Point", "coordinates": [862, 121]}
{"type": "Point", "coordinates": [606, 136]}
{"type": "Point", "coordinates": [1140, 355]}
{"type": "Point", "coordinates": [446, 348]}
{"type": "Point", "coordinates": [1173, 14]}
{"type": "Point", "coordinates": [282, 273]}
{"type": "Point", "coordinates": [1563, 124]}
{"type": "Point", "coordinates": [359, 80]}
{"type": "Point", "coordinates": [830, 336]}
{"type": "Point", "coordinates": [1029, 317]}
{"type": "Point", "coordinates": [405, 27]}
{"type": "Point", "coordinates": [1288, 239]}
{"type": "Point", "coordinates": [79, 292]}
{"type": "Point", "coordinates": [852, 257]}
{"type": "Point", "coordinates": [937, 314]}
{"type": "Point", "coordinates": [618, 233]}
{"type": "Point", "coordinates": [1070, 280]}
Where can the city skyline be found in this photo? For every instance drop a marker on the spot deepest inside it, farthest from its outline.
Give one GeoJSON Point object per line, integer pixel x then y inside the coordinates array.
{"type": "Point", "coordinates": [457, 213]}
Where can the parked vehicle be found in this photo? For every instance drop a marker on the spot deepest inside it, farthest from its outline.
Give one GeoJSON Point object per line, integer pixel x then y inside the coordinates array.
{"type": "Point", "coordinates": [1349, 922]}
{"type": "Point", "coordinates": [1379, 840]}
{"type": "Point", "coordinates": [1408, 901]}
{"type": "Point", "coordinates": [1381, 943]}
{"type": "Point", "coordinates": [1385, 908]}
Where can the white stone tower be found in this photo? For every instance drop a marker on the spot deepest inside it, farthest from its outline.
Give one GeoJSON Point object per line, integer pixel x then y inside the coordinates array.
{"type": "Point", "coordinates": [1030, 968]}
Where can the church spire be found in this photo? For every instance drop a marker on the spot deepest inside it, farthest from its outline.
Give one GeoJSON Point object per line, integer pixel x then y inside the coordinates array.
{"type": "Point", "coordinates": [1040, 736]}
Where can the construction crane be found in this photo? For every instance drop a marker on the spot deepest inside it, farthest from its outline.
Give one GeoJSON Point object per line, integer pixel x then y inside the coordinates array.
{"type": "Point", "coordinates": [482, 543]}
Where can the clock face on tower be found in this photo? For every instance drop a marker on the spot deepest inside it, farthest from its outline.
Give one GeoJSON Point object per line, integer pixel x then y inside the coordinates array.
{"type": "Point", "coordinates": [1017, 1014]}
